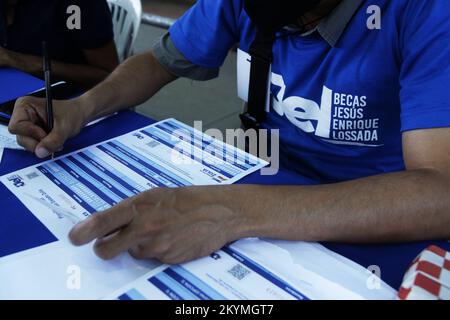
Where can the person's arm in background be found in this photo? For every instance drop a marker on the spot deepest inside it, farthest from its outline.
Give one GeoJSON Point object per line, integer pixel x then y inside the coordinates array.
{"type": "Point", "coordinates": [100, 63]}
{"type": "Point", "coordinates": [133, 82]}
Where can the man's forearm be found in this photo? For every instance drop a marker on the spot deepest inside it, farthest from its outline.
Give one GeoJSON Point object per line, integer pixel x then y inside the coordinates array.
{"type": "Point", "coordinates": [83, 75]}
{"type": "Point", "coordinates": [132, 83]}
{"type": "Point", "coordinates": [405, 206]}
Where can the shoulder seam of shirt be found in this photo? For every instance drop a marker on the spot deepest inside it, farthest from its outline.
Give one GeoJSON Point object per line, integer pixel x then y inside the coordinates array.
{"type": "Point", "coordinates": [333, 26]}
{"type": "Point", "coordinates": [176, 63]}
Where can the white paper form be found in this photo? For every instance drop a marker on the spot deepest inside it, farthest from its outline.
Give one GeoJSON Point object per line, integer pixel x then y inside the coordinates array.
{"type": "Point", "coordinates": [69, 189]}
{"type": "Point", "coordinates": [258, 270]}
{"type": "Point", "coordinates": [8, 140]}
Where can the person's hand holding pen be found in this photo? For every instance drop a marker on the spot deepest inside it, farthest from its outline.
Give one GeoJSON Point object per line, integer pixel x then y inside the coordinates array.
{"type": "Point", "coordinates": [34, 120]}
{"type": "Point", "coordinates": [29, 123]}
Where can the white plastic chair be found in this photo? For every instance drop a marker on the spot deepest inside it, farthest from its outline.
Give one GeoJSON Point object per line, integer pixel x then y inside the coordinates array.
{"type": "Point", "coordinates": [126, 16]}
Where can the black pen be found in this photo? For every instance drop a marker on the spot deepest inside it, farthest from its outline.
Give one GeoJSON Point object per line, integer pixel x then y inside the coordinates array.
{"type": "Point", "coordinates": [48, 87]}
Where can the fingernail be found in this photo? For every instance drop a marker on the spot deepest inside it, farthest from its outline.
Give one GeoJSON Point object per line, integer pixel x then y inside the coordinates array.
{"type": "Point", "coordinates": [42, 153]}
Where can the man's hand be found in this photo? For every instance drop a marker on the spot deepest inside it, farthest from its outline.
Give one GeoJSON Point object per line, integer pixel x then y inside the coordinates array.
{"type": "Point", "coordinates": [171, 225]}
{"type": "Point", "coordinates": [28, 122]}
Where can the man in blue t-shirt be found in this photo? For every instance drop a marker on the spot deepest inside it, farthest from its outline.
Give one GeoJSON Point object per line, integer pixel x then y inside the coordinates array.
{"type": "Point", "coordinates": [79, 35]}
{"type": "Point", "coordinates": [360, 95]}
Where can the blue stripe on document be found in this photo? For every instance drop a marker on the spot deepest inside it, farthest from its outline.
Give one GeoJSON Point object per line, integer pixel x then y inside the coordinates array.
{"type": "Point", "coordinates": [47, 172]}
{"type": "Point", "coordinates": [165, 289]}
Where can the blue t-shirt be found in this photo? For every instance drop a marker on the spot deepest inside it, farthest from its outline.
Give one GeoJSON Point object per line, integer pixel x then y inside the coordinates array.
{"type": "Point", "coordinates": [341, 110]}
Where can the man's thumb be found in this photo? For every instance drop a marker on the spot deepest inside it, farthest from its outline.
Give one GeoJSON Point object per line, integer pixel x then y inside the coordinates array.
{"type": "Point", "coordinates": [49, 145]}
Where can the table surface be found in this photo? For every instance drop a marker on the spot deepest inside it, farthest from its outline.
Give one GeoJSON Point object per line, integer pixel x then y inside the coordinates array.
{"type": "Point", "coordinates": [20, 230]}
{"type": "Point", "coordinates": [14, 83]}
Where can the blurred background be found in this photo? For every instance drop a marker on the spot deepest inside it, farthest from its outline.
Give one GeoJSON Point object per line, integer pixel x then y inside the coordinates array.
{"type": "Point", "coordinates": [215, 102]}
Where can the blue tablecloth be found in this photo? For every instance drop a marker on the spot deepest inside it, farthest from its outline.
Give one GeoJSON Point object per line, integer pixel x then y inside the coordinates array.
{"type": "Point", "coordinates": [14, 83]}
{"type": "Point", "coordinates": [20, 230]}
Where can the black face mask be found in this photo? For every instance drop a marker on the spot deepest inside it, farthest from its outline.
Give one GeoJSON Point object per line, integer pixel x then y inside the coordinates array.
{"type": "Point", "coordinates": [271, 16]}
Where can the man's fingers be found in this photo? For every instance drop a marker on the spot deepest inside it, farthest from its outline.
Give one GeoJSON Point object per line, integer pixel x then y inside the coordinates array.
{"type": "Point", "coordinates": [29, 120]}
{"type": "Point", "coordinates": [109, 247]}
{"type": "Point", "coordinates": [28, 124]}
{"type": "Point", "coordinates": [102, 224]}
{"type": "Point", "coordinates": [27, 110]}
{"type": "Point", "coordinates": [28, 143]}
{"type": "Point", "coordinates": [151, 248]}
{"type": "Point", "coordinates": [27, 129]}
{"type": "Point", "coordinates": [52, 143]}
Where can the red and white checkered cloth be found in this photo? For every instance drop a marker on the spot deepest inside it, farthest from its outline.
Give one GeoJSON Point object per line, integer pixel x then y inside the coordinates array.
{"type": "Point", "coordinates": [428, 277]}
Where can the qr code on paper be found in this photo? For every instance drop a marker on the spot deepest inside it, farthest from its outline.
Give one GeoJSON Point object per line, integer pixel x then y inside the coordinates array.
{"type": "Point", "coordinates": [32, 175]}
{"type": "Point", "coordinates": [239, 272]}
{"type": "Point", "coordinates": [153, 144]}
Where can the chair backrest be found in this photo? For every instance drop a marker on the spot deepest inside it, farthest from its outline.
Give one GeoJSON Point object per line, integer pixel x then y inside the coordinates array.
{"type": "Point", "coordinates": [126, 15]}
